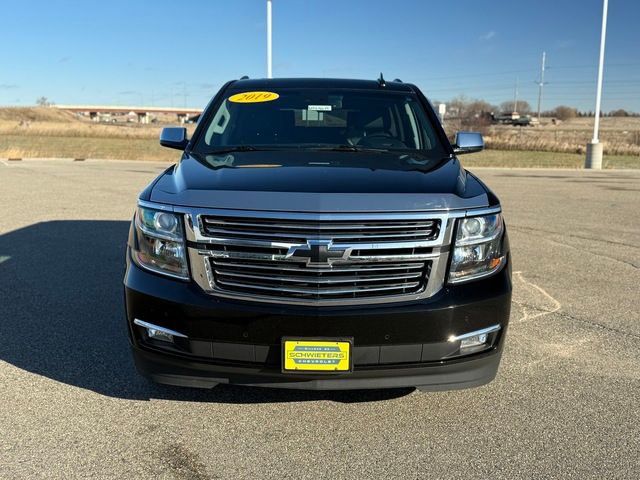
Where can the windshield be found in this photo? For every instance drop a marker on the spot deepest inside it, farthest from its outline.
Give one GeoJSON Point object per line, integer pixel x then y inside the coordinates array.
{"type": "Point", "coordinates": [356, 120]}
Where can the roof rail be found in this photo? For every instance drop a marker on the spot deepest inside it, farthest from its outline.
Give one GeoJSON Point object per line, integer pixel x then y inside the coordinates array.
{"type": "Point", "coordinates": [381, 81]}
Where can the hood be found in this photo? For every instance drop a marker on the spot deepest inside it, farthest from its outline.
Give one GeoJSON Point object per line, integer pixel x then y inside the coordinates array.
{"type": "Point", "coordinates": [318, 182]}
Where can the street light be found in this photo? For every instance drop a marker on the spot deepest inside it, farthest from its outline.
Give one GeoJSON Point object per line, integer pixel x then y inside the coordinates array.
{"type": "Point", "coordinates": [594, 148]}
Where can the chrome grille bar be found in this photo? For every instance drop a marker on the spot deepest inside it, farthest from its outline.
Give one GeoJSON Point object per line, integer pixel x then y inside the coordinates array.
{"type": "Point", "coordinates": [302, 230]}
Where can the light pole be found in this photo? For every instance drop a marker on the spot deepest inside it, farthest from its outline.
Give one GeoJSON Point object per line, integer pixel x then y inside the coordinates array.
{"type": "Point", "coordinates": [594, 148]}
{"type": "Point", "coordinates": [541, 83]}
{"type": "Point", "coordinates": [269, 69]}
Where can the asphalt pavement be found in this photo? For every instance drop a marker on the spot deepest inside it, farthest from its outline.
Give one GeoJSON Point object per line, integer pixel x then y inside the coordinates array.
{"type": "Point", "coordinates": [565, 404]}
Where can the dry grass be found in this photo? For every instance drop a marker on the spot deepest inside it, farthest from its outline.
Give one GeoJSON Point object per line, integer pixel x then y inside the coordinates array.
{"type": "Point", "coordinates": [43, 132]}
{"type": "Point", "coordinates": [20, 146]}
{"type": "Point", "coordinates": [529, 159]}
{"type": "Point", "coordinates": [620, 136]}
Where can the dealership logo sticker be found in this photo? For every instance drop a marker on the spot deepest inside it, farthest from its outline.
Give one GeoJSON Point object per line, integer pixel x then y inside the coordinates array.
{"type": "Point", "coordinates": [253, 97]}
{"type": "Point", "coordinates": [312, 355]}
{"type": "Point", "coordinates": [329, 356]}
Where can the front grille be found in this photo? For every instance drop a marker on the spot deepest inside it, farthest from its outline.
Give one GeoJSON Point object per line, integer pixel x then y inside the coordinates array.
{"type": "Point", "coordinates": [340, 231]}
{"type": "Point", "coordinates": [317, 259]}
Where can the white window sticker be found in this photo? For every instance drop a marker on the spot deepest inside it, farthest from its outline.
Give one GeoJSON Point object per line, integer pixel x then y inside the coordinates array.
{"type": "Point", "coordinates": [319, 108]}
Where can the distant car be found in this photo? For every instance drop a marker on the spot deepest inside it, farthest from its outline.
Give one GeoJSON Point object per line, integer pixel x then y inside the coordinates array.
{"type": "Point", "coordinates": [318, 234]}
{"type": "Point", "coordinates": [515, 119]}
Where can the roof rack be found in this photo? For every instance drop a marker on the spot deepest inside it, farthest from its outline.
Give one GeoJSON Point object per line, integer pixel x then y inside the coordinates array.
{"type": "Point", "coordinates": [381, 81]}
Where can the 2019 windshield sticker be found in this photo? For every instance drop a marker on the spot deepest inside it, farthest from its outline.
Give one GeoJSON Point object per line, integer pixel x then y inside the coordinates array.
{"type": "Point", "coordinates": [253, 97]}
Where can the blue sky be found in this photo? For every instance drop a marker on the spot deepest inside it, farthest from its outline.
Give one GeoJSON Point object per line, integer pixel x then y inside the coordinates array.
{"type": "Point", "coordinates": [167, 52]}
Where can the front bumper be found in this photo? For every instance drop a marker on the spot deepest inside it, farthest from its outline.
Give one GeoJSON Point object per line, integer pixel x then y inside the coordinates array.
{"type": "Point", "coordinates": [395, 345]}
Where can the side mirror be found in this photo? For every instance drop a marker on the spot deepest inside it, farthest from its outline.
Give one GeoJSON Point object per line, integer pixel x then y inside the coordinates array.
{"type": "Point", "coordinates": [468, 142]}
{"type": "Point", "coordinates": [174, 137]}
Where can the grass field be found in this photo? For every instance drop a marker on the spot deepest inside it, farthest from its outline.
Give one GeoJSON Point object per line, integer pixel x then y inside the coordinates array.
{"type": "Point", "coordinates": [49, 133]}
{"type": "Point", "coordinates": [54, 146]}
{"type": "Point", "coordinates": [619, 135]}
{"type": "Point", "coordinates": [532, 159]}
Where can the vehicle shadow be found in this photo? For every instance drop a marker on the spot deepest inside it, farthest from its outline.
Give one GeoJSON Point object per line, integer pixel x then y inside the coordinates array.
{"type": "Point", "coordinates": [62, 317]}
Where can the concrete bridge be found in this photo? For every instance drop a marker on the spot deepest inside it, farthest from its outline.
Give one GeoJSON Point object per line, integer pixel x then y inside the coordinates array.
{"type": "Point", "coordinates": [142, 113]}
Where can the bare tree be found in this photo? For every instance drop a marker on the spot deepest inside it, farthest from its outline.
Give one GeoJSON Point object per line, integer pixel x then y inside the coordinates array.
{"type": "Point", "coordinates": [508, 107]}
{"type": "Point", "coordinates": [563, 112]}
{"type": "Point", "coordinates": [468, 108]}
{"type": "Point", "coordinates": [43, 102]}
{"type": "Point", "coordinates": [621, 112]}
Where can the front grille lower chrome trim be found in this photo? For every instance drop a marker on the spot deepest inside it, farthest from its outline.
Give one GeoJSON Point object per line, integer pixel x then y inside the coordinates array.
{"type": "Point", "coordinates": [251, 257]}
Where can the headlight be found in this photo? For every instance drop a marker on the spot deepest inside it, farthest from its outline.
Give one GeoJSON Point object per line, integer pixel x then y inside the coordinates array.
{"type": "Point", "coordinates": [477, 250]}
{"type": "Point", "coordinates": [159, 244]}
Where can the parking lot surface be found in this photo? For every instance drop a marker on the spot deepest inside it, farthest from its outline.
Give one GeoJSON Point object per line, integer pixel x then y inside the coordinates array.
{"type": "Point", "coordinates": [565, 404]}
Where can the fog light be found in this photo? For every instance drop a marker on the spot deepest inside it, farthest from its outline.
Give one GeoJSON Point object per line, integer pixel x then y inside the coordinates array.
{"type": "Point", "coordinates": [158, 333]}
{"type": "Point", "coordinates": [475, 341]}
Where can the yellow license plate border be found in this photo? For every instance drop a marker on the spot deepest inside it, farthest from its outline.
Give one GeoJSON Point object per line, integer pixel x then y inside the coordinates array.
{"type": "Point", "coordinates": [348, 340]}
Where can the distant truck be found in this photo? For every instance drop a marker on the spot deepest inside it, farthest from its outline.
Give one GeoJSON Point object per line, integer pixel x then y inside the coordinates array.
{"type": "Point", "coordinates": [515, 119]}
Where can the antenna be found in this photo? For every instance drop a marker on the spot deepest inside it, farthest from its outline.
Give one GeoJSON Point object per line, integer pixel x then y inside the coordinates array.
{"type": "Point", "coordinates": [269, 58]}
{"type": "Point", "coordinates": [381, 81]}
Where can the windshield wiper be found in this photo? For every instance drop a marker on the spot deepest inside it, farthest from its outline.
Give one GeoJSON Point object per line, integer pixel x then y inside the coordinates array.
{"type": "Point", "coordinates": [237, 148]}
{"type": "Point", "coordinates": [349, 148]}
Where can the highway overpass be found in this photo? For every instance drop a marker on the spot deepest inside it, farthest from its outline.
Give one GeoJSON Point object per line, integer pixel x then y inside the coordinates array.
{"type": "Point", "coordinates": [142, 112]}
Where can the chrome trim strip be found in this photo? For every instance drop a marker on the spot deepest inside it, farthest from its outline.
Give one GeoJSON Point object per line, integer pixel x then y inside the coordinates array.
{"type": "Point", "coordinates": [276, 257]}
{"type": "Point", "coordinates": [156, 206]}
{"type": "Point", "coordinates": [482, 211]}
{"type": "Point", "coordinates": [451, 213]}
{"type": "Point", "coordinates": [323, 281]}
{"type": "Point", "coordinates": [491, 329]}
{"type": "Point", "coordinates": [294, 268]}
{"type": "Point", "coordinates": [142, 323]}
{"type": "Point", "coordinates": [319, 293]}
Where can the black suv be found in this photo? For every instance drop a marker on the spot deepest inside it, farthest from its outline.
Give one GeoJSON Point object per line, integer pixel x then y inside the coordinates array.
{"type": "Point", "coordinates": [318, 234]}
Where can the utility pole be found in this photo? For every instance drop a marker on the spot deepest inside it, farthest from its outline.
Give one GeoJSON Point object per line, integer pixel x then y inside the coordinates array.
{"type": "Point", "coordinates": [594, 149]}
{"type": "Point", "coordinates": [515, 97]}
{"type": "Point", "coordinates": [269, 59]}
{"type": "Point", "coordinates": [541, 83]}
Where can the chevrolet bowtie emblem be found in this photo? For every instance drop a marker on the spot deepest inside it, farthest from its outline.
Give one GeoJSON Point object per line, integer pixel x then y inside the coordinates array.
{"type": "Point", "coordinates": [317, 252]}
